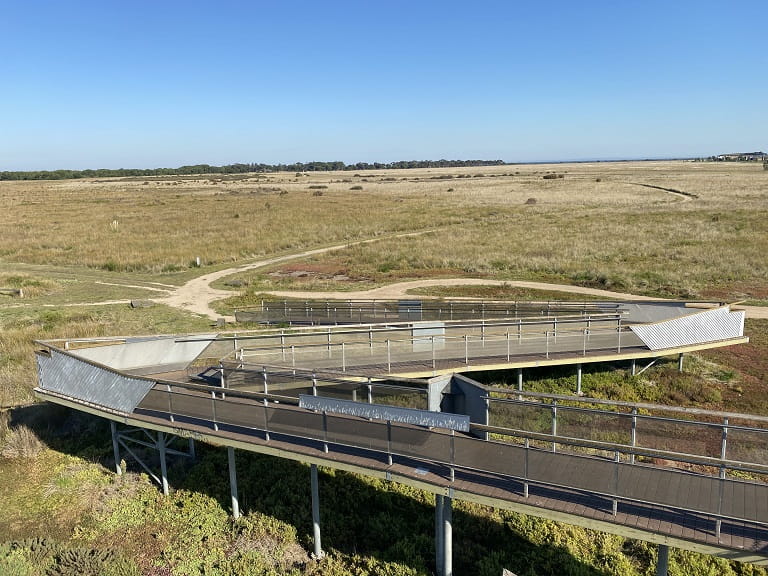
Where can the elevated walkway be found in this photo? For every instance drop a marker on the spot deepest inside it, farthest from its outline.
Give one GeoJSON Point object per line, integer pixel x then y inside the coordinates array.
{"type": "Point", "coordinates": [667, 475]}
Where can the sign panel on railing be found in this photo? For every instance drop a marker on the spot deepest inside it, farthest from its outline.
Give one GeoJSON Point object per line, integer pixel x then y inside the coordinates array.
{"type": "Point", "coordinates": [457, 422]}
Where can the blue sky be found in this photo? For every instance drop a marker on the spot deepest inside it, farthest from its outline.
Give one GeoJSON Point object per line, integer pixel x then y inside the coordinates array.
{"type": "Point", "coordinates": [109, 84]}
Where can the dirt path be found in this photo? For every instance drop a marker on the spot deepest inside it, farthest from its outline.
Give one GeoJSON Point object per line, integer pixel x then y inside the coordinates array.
{"type": "Point", "coordinates": [197, 294]}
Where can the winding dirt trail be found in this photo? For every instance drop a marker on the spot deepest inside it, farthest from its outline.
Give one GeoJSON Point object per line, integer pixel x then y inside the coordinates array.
{"type": "Point", "coordinates": [197, 295]}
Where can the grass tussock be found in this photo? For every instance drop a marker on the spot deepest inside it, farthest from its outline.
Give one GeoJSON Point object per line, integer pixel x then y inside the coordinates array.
{"type": "Point", "coordinates": [19, 442]}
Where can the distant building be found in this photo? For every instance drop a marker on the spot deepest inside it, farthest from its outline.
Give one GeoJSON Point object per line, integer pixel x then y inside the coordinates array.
{"type": "Point", "coordinates": [742, 157]}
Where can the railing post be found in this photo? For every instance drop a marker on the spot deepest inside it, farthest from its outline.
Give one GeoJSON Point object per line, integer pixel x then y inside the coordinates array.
{"type": "Point", "coordinates": [633, 435]}
{"type": "Point", "coordinates": [213, 410]}
{"type": "Point", "coordinates": [389, 357]}
{"type": "Point", "coordinates": [721, 488]}
{"type": "Point", "coordinates": [525, 483]}
{"type": "Point", "coordinates": [293, 356]}
{"type": "Point", "coordinates": [264, 375]}
{"type": "Point", "coordinates": [578, 380]}
{"type": "Point", "coordinates": [433, 356]}
{"type": "Point", "coordinates": [314, 384]}
{"type": "Point", "coordinates": [389, 442]}
{"type": "Point", "coordinates": [617, 459]}
{"type": "Point", "coordinates": [519, 382]}
{"type": "Point", "coordinates": [266, 419]}
{"type": "Point", "coordinates": [170, 403]}
{"type": "Point", "coordinates": [554, 425]}
{"type": "Point", "coordinates": [343, 357]}
{"type": "Point", "coordinates": [546, 335]}
{"type": "Point", "coordinates": [370, 391]}
{"type": "Point", "coordinates": [466, 350]}
{"type": "Point", "coordinates": [508, 351]}
{"type": "Point", "coordinates": [325, 431]}
{"type": "Point", "coordinates": [453, 455]}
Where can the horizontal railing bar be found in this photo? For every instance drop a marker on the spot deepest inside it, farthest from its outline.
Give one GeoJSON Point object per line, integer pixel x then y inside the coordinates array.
{"type": "Point", "coordinates": [637, 405]}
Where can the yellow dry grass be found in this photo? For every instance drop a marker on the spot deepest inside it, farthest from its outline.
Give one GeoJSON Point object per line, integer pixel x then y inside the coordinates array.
{"type": "Point", "coordinates": [603, 224]}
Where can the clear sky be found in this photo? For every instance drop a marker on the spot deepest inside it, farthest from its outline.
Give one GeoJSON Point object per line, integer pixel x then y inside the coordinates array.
{"type": "Point", "coordinates": [162, 83]}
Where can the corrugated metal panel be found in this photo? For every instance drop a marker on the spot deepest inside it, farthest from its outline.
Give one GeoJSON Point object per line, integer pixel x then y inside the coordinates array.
{"type": "Point", "coordinates": [382, 412]}
{"type": "Point", "coordinates": [701, 327]}
{"type": "Point", "coordinates": [77, 379]}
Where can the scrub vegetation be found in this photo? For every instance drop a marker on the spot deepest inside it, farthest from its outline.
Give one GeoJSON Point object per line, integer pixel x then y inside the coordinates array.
{"type": "Point", "coordinates": [693, 230]}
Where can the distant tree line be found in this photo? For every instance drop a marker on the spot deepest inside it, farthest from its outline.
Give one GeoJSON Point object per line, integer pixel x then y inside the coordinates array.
{"type": "Point", "coordinates": [240, 169]}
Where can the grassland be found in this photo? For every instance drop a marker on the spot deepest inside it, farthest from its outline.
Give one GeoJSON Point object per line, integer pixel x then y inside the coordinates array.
{"type": "Point", "coordinates": [81, 249]}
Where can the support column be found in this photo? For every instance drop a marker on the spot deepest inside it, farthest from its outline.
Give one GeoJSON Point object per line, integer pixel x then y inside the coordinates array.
{"type": "Point", "coordinates": [662, 564]}
{"type": "Point", "coordinates": [163, 464]}
{"type": "Point", "coordinates": [680, 363]}
{"type": "Point", "coordinates": [233, 482]}
{"type": "Point", "coordinates": [634, 367]}
{"type": "Point", "coordinates": [318, 553]}
{"type": "Point", "coordinates": [115, 447]}
{"type": "Point", "coordinates": [578, 380]}
{"type": "Point", "coordinates": [520, 380]}
{"type": "Point", "coordinates": [439, 509]}
{"type": "Point", "coordinates": [447, 537]}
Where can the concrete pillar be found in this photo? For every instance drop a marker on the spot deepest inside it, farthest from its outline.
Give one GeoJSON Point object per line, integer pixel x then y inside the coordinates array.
{"type": "Point", "coordinates": [680, 363]}
{"type": "Point", "coordinates": [578, 380]}
{"type": "Point", "coordinates": [233, 482]}
{"type": "Point", "coordinates": [439, 510]}
{"type": "Point", "coordinates": [662, 564]}
{"type": "Point", "coordinates": [163, 464]}
{"type": "Point", "coordinates": [447, 537]}
{"type": "Point", "coordinates": [316, 513]}
{"type": "Point", "coordinates": [115, 447]}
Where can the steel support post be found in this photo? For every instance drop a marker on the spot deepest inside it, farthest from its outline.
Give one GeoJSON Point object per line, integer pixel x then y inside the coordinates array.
{"type": "Point", "coordinates": [447, 536]}
{"type": "Point", "coordinates": [680, 363]}
{"type": "Point", "coordinates": [163, 464]}
{"type": "Point", "coordinates": [519, 379]}
{"type": "Point", "coordinates": [233, 482]}
{"type": "Point", "coordinates": [578, 380]}
{"type": "Point", "coordinates": [318, 552]}
{"type": "Point", "coordinates": [439, 509]}
{"type": "Point", "coordinates": [116, 447]}
{"type": "Point", "coordinates": [662, 563]}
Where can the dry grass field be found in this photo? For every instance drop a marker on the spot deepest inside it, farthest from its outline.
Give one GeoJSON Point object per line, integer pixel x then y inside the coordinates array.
{"type": "Point", "coordinates": [608, 225]}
